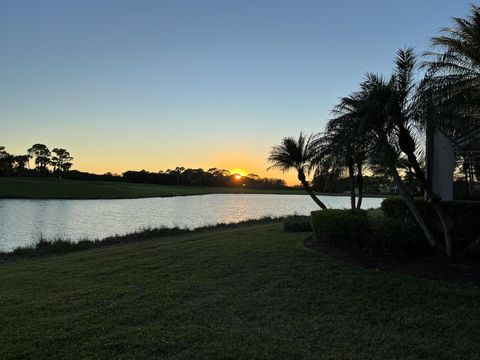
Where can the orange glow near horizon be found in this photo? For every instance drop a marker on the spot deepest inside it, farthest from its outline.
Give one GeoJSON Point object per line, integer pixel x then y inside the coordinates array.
{"type": "Point", "coordinates": [240, 173]}
{"type": "Point", "coordinates": [112, 158]}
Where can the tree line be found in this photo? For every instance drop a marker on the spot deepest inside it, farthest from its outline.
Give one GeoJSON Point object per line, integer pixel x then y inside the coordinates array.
{"type": "Point", "coordinates": [198, 177]}
{"type": "Point", "coordinates": [383, 125]}
{"type": "Point", "coordinates": [57, 162]}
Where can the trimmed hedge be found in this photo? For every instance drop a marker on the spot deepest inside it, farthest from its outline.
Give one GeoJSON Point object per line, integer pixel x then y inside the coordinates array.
{"type": "Point", "coordinates": [297, 224]}
{"type": "Point", "coordinates": [374, 234]}
{"type": "Point", "coordinates": [465, 216]}
{"type": "Point", "coordinates": [341, 228]}
{"type": "Point", "coordinates": [393, 238]}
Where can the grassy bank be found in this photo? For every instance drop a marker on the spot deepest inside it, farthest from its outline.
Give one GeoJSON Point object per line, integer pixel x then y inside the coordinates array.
{"type": "Point", "coordinates": [49, 188]}
{"type": "Point", "coordinates": [60, 246]}
{"type": "Point", "coordinates": [243, 292]}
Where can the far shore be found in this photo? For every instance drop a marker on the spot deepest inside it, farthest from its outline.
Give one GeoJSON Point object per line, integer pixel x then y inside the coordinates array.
{"type": "Point", "coordinates": [56, 189]}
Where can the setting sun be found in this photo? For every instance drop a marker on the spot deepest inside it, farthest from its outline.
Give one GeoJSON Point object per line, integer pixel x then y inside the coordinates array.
{"type": "Point", "coordinates": [239, 173]}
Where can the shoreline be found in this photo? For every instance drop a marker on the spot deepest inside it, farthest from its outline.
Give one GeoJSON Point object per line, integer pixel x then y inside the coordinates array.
{"type": "Point", "coordinates": [59, 246]}
{"type": "Point", "coordinates": [375, 196]}
{"type": "Point", "coordinates": [64, 189]}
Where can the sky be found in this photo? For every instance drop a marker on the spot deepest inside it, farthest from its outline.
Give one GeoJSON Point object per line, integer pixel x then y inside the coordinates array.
{"type": "Point", "coordinates": [158, 84]}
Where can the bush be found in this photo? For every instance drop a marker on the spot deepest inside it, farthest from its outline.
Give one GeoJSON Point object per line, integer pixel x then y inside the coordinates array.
{"type": "Point", "coordinates": [393, 238]}
{"type": "Point", "coordinates": [297, 224]}
{"type": "Point", "coordinates": [340, 228]}
{"type": "Point", "coordinates": [368, 232]}
{"type": "Point", "coordinates": [465, 217]}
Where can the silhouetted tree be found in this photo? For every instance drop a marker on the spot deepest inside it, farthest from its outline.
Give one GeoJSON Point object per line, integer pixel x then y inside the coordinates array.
{"type": "Point", "coordinates": [297, 154]}
{"type": "Point", "coordinates": [42, 157]}
{"type": "Point", "coordinates": [21, 163]}
{"type": "Point", "coordinates": [374, 105]}
{"type": "Point", "coordinates": [62, 161]}
{"type": "Point", "coordinates": [6, 162]}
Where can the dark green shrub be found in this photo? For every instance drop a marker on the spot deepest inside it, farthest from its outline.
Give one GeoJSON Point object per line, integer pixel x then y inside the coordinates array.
{"type": "Point", "coordinates": [374, 234]}
{"type": "Point", "coordinates": [340, 228]}
{"type": "Point", "coordinates": [297, 224]}
{"type": "Point", "coordinates": [465, 216]}
{"type": "Point", "coordinates": [394, 238]}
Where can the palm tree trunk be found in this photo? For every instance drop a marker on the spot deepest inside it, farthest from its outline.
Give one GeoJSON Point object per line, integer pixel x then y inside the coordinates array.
{"type": "Point", "coordinates": [406, 197]}
{"type": "Point", "coordinates": [413, 208]}
{"type": "Point", "coordinates": [351, 176]}
{"type": "Point", "coordinates": [308, 189]}
{"type": "Point", "coordinates": [446, 225]}
{"type": "Point", "coordinates": [360, 188]}
{"type": "Point", "coordinates": [435, 201]}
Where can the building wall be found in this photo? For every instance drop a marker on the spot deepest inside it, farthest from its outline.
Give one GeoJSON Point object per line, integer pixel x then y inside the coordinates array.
{"type": "Point", "coordinates": [443, 166]}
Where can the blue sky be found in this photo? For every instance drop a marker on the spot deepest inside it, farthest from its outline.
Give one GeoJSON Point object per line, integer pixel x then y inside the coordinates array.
{"type": "Point", "coordinates": [155, 84]}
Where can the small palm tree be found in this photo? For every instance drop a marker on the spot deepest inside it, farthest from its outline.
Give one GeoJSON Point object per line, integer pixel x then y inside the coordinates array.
{"type": "Point", "coordinates": [297, 154]}
{"type": "Point", "coordinates": [346, 149]}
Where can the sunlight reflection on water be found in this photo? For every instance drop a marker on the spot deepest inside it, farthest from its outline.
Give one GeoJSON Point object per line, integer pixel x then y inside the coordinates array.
{"type": "Point", "coordinates": [22, 222]}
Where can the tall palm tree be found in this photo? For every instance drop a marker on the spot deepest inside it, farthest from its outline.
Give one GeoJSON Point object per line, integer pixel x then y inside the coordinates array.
{"type": "Point", "coordinates": [297, 154]}
{"type": "Point", "coordinates": [370, 111]}
{"type": "Point", "coordinates": [404, 117]}
{"type": "Point", "coordinates": [390, 111]}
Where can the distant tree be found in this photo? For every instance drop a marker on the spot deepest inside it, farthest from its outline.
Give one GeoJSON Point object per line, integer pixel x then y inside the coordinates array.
{"type": "Point", "coordinates": [177, 173]}
{"type": "Point", "coordinates": [42, 154]}
{"type": "Point", "coordinates": [21, 163]}
{"type": "Point", "coordinates": [297, 154]}
{"type": "Point", "coordinates": [6, 162]}
{"type": "Point", "coordinates": [62, 161]}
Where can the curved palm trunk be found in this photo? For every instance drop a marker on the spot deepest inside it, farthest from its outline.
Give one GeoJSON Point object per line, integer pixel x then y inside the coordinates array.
{"type": "Point", "coordinates": [406, 197]}
{"type": "Point", "coordinates": [360, 187]}
{"type": "Point", "coordinates": [413, 208]}
{"type": "Point", "coordinates": [308, 189]}
{"type": "Point", "coordinates": [351, 176]}
{"type": "Point", "coordinates": [435, 201]}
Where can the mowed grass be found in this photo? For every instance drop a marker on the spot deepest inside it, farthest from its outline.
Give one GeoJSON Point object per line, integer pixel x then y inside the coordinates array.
{"type": "Point", "coordinates": [248, 292]}
{"type": "Point", "coordinates": [50, 188]}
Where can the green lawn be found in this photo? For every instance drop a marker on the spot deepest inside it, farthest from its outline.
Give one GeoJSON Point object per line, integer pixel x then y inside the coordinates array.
{"type": "Point", "coordinates": [49, 188]}
{"type": "Point", "coordinates": [245, 292]}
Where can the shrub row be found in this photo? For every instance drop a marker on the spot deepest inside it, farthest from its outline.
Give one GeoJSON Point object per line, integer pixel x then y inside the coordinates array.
{"type": "Point", "coordinates": [465, 216]}
{"type": "Point", "coordinates": [340, 228]}
{"type": "Point", "coordinates": [378, 236]}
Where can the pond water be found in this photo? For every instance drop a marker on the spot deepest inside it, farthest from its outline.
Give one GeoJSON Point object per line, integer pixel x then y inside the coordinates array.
{"type": "Point", "coordinates": [23, 222]}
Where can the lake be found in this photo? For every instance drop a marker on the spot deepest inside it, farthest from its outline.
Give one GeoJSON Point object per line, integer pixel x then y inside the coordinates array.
{"type": "Point", "coordinates": [23, 222]}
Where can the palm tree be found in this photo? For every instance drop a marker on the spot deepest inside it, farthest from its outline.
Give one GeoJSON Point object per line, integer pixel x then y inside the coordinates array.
{"type": "Point", "coordinates": [389, 110]}
{"type": "Point", "coordinates": [404, 117]}
{"type": "Point", "coordinates": [344, 148]}
{"type": "Point", "coordinates": [453, 78]}
{"type": "Point", "coordinates": [370, 111]}
{"type": "Point", "coordinates": [455, 54]}
{"type": "Point", "coordinates": [297, 154]}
